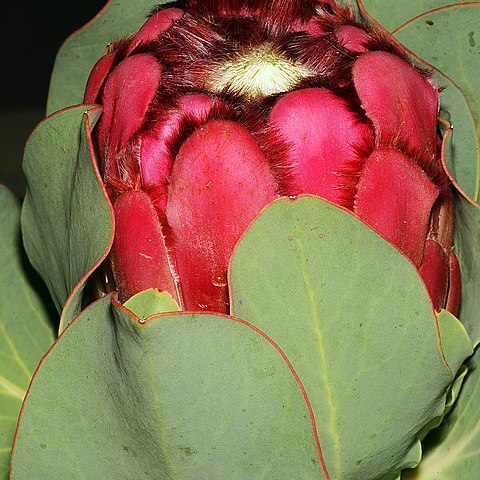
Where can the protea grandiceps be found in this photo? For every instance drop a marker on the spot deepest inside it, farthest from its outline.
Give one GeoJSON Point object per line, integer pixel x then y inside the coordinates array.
{"type": "Point", "coordinates": [215, 108]}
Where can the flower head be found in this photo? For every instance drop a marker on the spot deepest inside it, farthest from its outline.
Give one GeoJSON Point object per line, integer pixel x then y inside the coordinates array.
{"type": "Point", "coordinates": [214, 109]}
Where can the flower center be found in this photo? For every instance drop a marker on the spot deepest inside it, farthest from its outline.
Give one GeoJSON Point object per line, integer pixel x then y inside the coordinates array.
{"type": "Point", "coordinates": [258, 73]}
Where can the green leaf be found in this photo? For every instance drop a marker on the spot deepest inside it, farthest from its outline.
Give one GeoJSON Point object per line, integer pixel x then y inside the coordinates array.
{"type": "Point", "coordinates": [25, 332]}
{"type": "Point", "coordinates": [79, 53]}
{"type": "Point", "coordinates": [449, 40]}
{"type": "Point", "coordinates": [452, 452]}
{"type": "Point", "coordinates": [355, 320]}
{"type": "Point", "coordinates": [455, 342]}
{"type": "Point", "coordinates": [150, 302]}
{"type": "Point", "coordinates": [184, 396]}
{"type": "Point", "coordinates": [464, 161]}
{"type": "Point", "coordinates": [392, 15]}
{"type": "Point", "coordinates": [467, 247]}
{"type": "Point", "coordinates": [66, 218]}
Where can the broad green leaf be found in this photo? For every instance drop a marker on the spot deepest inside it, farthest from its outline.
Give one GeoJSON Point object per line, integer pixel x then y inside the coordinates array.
{"type": "Point", "coordinates": [449, 40]}
{"type": "Point", "coordinates": [392, 15]}
{"type": "Point", "coordinates": [467, 247]}
{"type": "Point", "coordinates": [453, 451]}
{"type": "Point", "coordinates": [184, 396]}
{"type": "Point", "coordinates": [465, 155]}
{"type": "Point", "coordinates": [79, 53]}
{"type": "Point", "coordinates": [355, 320]}
{"type": "Point", "coordinates": [66, 218]}
{"type": "Point", "coordinates": [25, 332]}
{"type": "Point", "coordinates": [150, 302]}
{"type": "Point", "coordinates": [455, 342]}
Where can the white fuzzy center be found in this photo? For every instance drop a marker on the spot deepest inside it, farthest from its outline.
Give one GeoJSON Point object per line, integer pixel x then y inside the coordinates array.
{"type": "Point", "coordinates": [258, 73]}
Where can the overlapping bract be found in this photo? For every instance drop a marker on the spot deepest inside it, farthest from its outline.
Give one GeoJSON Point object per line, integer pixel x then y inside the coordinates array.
{"type": "Point", "coordinates": [214, 109]}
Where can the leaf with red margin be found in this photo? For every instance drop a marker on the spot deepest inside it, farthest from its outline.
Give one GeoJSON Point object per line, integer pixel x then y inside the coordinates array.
{"type": "Point", "coordinates": [393, 14]}
{"type": "Point", "coordinates": [354, 318]}
{"type": "Point", "coordinates": [25, 330]}
{"type": "Point", "coordinates": [150, 302]}
{"type": "Point", "coordinates": [452, 450]}
{"type": "Point", "coordinates": [466, 244]}
{"type": "Point", "coordinates": [67, 221]}
{"type": "Point", "coordinates": [80, 51]}
{"type": "Point", "coordinates": [192, 396]}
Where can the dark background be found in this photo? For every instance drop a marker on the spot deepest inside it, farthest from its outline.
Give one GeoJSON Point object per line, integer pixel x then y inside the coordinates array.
{"type": "Point", "coordinates": [32, 32]}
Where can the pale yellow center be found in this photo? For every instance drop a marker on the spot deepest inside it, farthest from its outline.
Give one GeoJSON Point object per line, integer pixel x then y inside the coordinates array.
{"type": "Point", "coordinates": [258, 73]}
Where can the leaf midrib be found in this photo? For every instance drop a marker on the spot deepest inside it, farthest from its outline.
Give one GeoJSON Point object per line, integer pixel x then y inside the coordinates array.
{"type": "Point", "coordinates": [320, 340]}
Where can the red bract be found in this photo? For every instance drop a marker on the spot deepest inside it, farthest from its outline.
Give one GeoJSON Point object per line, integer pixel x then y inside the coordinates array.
{"type": "Point", "coordinates": [214, 109]}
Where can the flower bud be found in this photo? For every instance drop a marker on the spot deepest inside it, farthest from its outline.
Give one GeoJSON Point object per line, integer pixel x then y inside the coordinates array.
{"type": "Point", "coordinates": [212, 111]}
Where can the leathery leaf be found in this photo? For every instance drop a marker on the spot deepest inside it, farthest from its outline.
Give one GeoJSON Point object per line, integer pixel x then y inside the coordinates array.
{"type": "Point", "coordinates": [354, 318]}
{"type": "Point", "coordinates": [66, 217]}
{"type": "Point", "coordinates": [25, 329]}
{"type": "Point", "coordinates": [184, 396]}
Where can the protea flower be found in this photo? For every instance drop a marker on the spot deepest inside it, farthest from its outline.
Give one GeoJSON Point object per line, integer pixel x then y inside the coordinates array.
{"type": "Point", "coordinates": [214, 109]}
